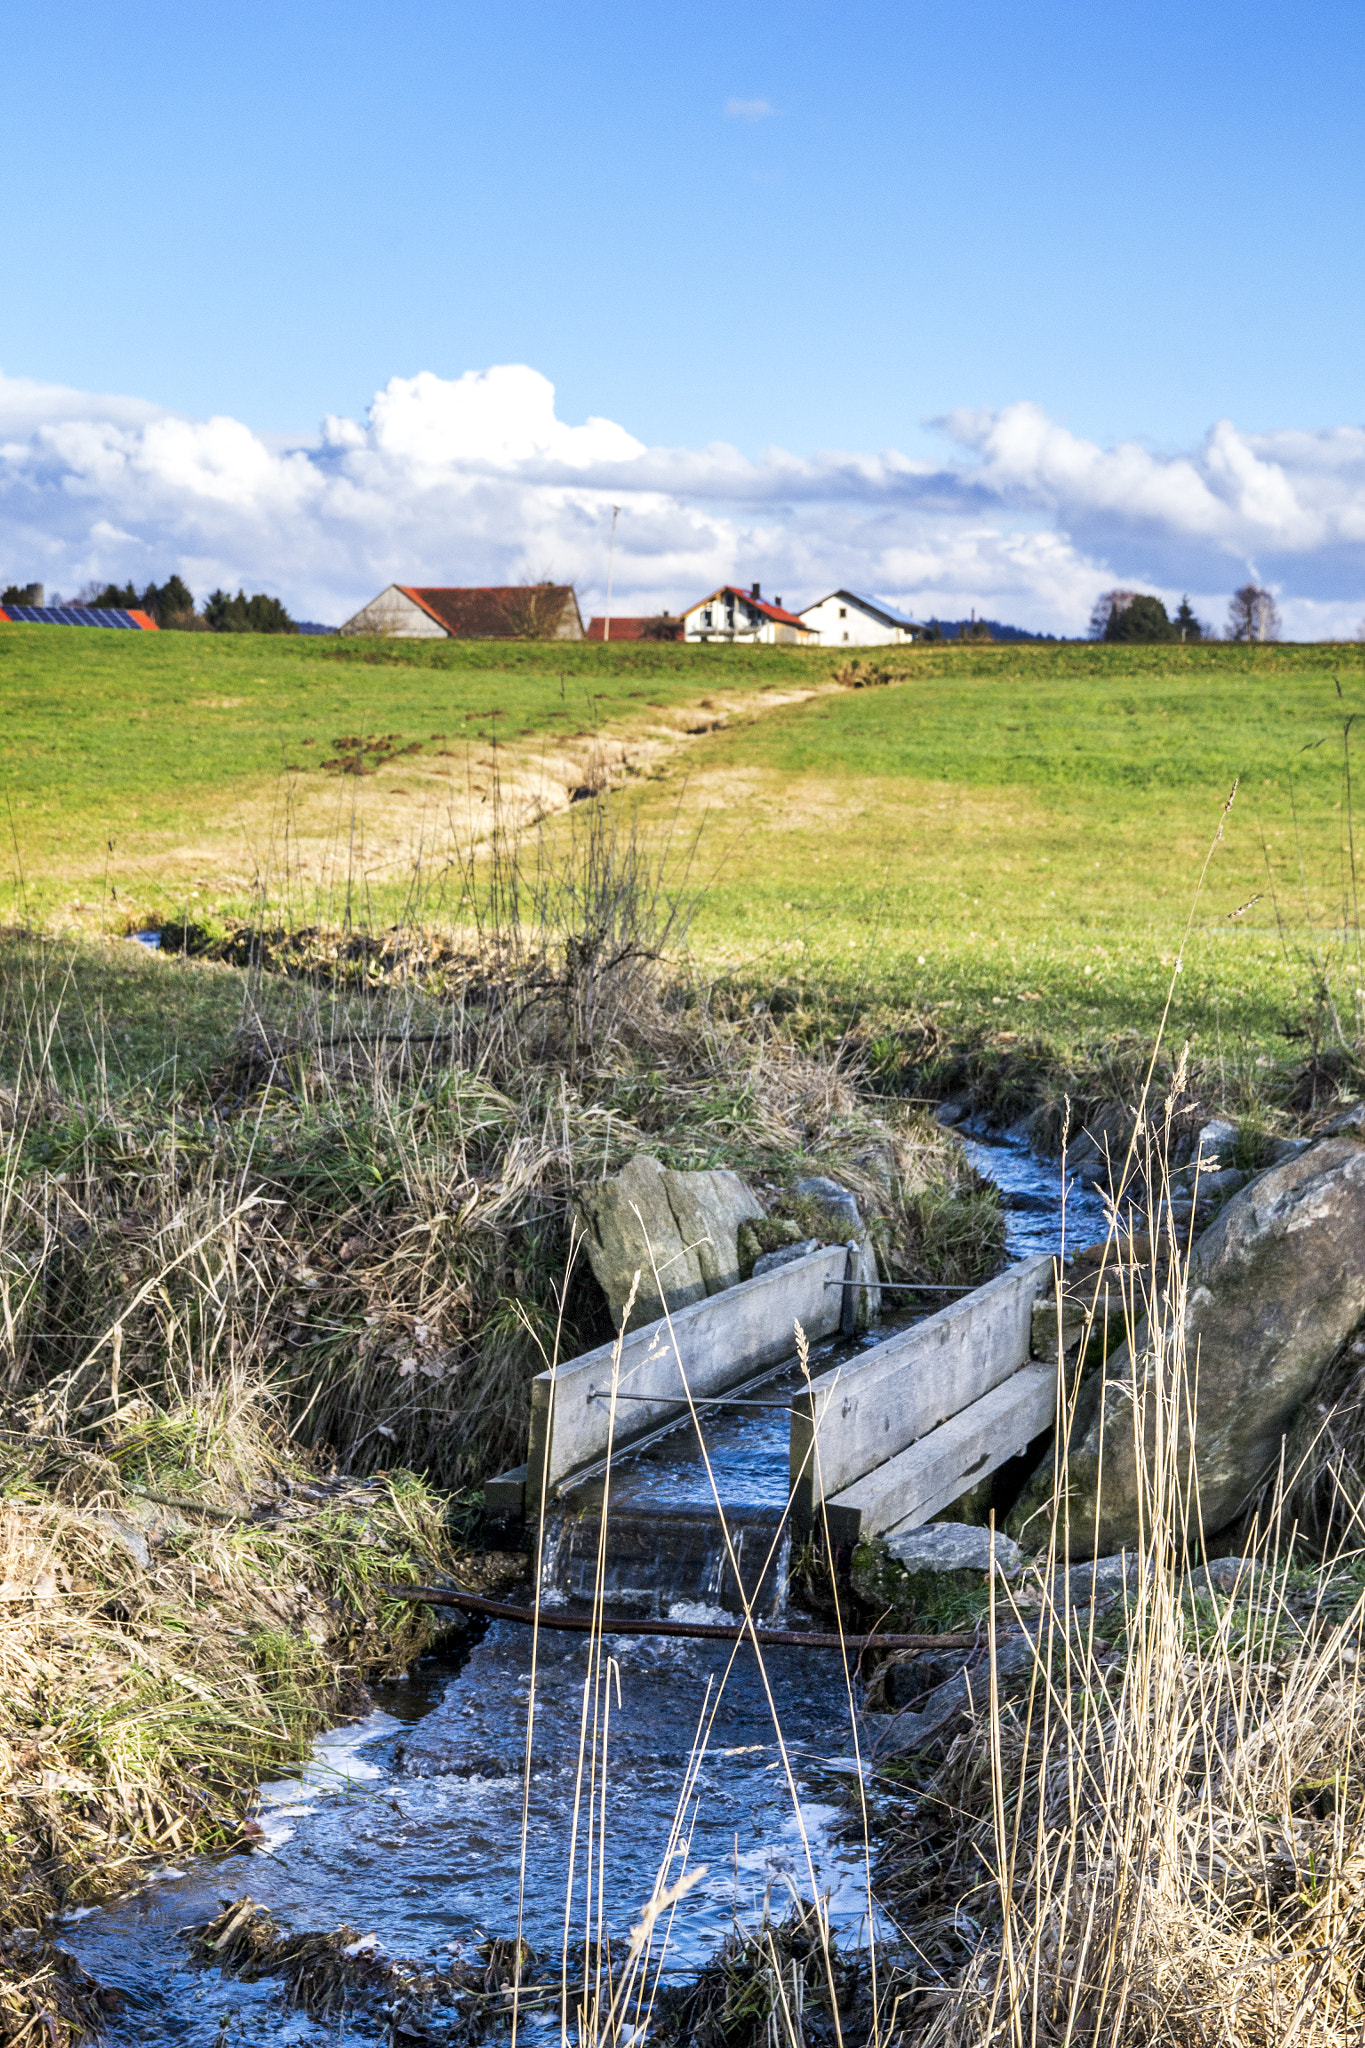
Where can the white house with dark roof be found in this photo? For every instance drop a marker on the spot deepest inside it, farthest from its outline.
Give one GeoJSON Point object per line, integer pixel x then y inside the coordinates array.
{"type": "Point", "coordinates": [734, 615]}
{"type": "Point", "coordinates": [846, 618]}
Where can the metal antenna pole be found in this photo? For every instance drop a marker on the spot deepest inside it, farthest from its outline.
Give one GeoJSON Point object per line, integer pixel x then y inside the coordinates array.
{"type": "Point", "coordinates": [611, 558]}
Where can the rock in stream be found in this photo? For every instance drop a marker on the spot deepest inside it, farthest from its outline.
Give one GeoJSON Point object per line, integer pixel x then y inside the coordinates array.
{"type": "Point", "coordinates": [1276, 1285]}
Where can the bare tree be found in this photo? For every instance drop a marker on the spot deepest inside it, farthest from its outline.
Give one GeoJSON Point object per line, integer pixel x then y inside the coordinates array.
{"type": "Point", "coordinates": [1109, 602]}
{"type": "Point", "coordinates": [534, 610]}
{"type": "Point", "coordinates": [1253, 614]}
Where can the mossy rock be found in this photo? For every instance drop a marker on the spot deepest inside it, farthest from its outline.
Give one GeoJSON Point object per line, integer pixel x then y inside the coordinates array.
{"type": "Point", "coordinates": [935, 1577]}
{"type": "Point", "coordinates": [764, 1234]}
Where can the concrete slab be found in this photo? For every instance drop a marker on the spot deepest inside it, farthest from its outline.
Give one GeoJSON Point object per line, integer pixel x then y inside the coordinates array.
{"type": "Point", "coordinates": [709, 1347]}
{"type": "Point", "coordinates": [937, 1470]}
{"type": "Point", "coordinates": [857, 1416]}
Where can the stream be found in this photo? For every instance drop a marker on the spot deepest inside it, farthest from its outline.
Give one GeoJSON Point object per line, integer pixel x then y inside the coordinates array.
{"type": "Point", "coordinates": [408, 1825]}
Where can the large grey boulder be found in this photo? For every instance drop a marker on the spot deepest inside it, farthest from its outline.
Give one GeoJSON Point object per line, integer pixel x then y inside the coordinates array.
{"type": "Point", "coordinates": [676, 1230]}
{"type": "Point", "coordinates": [708, 1209]}
{"type": "Point", "coordinates": [1275, 1288]}
{"type": "Point", "coordinates": [836, 1207]}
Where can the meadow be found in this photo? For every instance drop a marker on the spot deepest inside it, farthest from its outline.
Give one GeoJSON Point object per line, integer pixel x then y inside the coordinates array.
{"type": "Point", "coordinates": [267, 1231]}
{"type": "Point", "coordinates": [1016, 842]}
{"type": "Point", "coordinates": [1005, 841]}
{"type": "Point", "coordinates": [142, 772]}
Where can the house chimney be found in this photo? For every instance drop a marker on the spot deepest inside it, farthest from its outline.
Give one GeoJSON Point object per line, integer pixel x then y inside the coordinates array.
{"type": "Point", "coordinates": [753, 590]}
{"type": "Point", "coordinates": [778, 602]}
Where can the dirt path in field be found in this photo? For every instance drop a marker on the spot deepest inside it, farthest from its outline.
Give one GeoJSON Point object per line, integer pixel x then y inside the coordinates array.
{"type": "Point", "coordinates": [423, 815]}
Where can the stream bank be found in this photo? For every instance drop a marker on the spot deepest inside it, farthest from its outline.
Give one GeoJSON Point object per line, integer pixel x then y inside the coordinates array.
{"type": "Point", "coordinates": [183, 1605]}
{"type": "Point", "coordinates": [407, 1826]}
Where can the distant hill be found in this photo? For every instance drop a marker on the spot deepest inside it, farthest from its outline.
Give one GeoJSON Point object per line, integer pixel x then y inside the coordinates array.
{"type": "Point", "coordinates": [953, 629]}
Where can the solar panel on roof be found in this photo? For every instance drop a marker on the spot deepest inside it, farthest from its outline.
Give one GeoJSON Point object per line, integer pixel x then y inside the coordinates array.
{"type": "Point", "coordinates": [69, 615]}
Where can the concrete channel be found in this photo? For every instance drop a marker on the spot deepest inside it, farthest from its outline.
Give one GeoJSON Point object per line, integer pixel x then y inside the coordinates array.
{"type": "Point", "coordinates": [882, 1440]}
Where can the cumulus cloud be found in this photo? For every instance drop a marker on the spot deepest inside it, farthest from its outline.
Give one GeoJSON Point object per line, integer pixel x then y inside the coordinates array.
{"type": "Point", "coordinates": [477, 479]}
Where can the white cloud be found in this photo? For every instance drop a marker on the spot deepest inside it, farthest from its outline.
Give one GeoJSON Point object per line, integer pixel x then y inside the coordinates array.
{"type": "Point", "coordinates": [748, 110]}
{"type": "Point", "coordinates": [476, 479]}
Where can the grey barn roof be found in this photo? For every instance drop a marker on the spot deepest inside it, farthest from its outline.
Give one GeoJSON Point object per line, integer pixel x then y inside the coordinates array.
{"type": "Point", "coordinates": [874, 604]}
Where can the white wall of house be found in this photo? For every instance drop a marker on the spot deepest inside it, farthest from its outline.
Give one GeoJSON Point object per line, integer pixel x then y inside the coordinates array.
{"type": "Point", "coordinates": [394, 616]}
{"type": "Point", "coordinates": [734, 619]}
{"type": "Point", "coordinates": [842, 622]}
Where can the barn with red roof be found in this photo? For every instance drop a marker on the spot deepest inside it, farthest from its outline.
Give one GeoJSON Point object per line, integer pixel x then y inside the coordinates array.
{"type": "Point", "coordinates": [512, 611]}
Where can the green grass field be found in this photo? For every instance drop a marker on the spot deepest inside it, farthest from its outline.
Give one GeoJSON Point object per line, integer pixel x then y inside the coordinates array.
{"type": "Point", "coordinates": [1017, 841]}
{"type": "Point", "coordinates": [1010, 838]}
{"type": "Point", "coordinates": [139, 768]}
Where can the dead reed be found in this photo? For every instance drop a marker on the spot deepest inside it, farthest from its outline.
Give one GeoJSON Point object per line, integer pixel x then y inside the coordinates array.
{"type": "Point", "coordinates": [1163, 1841]}
{"type": "Point", "coordinates": [367, 1205]}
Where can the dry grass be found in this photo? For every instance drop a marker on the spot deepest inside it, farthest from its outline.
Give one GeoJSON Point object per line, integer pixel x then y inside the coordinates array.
{"type": "Point", "coordinates": [181, 1607]}
{"type": "Point", "coordinates": [367, 1203]}
{"type": "Point", "coordinates": [155, 1659]}
{"type": "Point", "coordinates": [1164, 1841]}
{"type": "Point", "coordinates": [381, 1233]}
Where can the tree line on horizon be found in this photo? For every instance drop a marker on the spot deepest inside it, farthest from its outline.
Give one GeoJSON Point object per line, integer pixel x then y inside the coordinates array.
{"type": "Point", "coordinates": [1129, 615]}
{"type": "Point", "coordinates": [171, 605]}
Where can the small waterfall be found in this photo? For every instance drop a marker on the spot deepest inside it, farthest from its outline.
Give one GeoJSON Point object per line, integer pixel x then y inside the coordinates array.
{"type": "Point", "coordinates": [659, 1558]}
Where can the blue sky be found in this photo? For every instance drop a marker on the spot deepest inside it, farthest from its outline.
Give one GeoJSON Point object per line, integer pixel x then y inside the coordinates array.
{"type": "Point", "coordinates": [802, 226]}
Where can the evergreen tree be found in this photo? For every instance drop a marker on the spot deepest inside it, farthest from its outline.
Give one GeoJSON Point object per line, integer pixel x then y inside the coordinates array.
{"type": "Point", "coordinates": [1143, 619]}
{"type": "Point", "coordinates": [1187, 626]}
{"type": "Point", "coordinates": [116, 597]}
{"type": "Point", "coordinates": [1105, 606]}
{"type": "Point", "coordinates": [243, 614]}
{"type": "Point", "coordinates": [172, 605]}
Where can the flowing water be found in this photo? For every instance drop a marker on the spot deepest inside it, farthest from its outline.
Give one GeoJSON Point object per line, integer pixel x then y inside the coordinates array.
{"type": "Point", "coordinates": [408, 1826]}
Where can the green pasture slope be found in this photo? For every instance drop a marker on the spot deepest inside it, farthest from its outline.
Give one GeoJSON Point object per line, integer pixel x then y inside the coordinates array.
{"type": "Point", "coordinates": [1013, 839]}
{"type": "Point", "coordinates": [136, 738]}
{"type": "Point", "coordinates": [1009, 839]}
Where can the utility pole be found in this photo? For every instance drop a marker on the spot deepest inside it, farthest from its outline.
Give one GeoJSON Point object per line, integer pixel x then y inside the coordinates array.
{"type": "Point", "coordinates": [611, 558]}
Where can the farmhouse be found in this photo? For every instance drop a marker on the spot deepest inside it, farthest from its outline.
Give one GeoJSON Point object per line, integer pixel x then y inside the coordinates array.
{"type": "Point", "coordinates": [742, 617]}
{"type": "Point", "coordinates": [846, 618]}
{"type": "Point", "coordinates": [515, 611]}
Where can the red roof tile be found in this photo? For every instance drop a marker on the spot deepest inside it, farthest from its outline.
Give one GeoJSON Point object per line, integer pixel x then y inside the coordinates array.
{"type": "Point", "coordinates": [758, 604]}
{"type": "Point", "coordinates": [509, 611]}
{"type": "Point", "coordinates": [632, 629]}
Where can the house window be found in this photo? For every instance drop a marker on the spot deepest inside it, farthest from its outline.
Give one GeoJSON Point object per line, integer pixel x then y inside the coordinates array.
{"type": "Point", "coordinates": [706, 618]}
{"type": "Point", "coordinates": [843, 614]}
{"type": "Point", "coordinates": [845, 636]}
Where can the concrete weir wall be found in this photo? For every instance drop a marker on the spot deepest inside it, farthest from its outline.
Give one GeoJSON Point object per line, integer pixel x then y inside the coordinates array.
{"type": "Point", "coordinates": [891, 1438]}
{"type": "Point", "coordinates": [711, 1347]}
